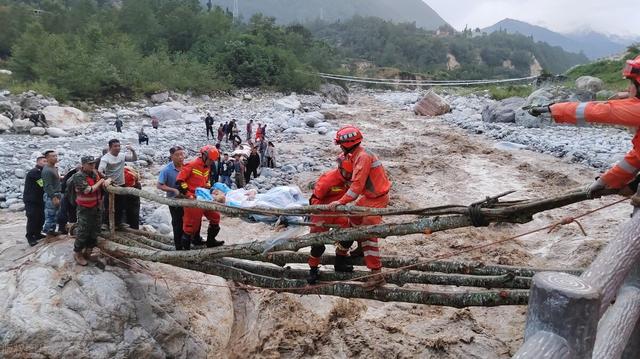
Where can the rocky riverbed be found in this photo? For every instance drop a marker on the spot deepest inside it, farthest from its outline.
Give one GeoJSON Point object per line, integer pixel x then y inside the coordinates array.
{"type": "Point", "coordinates": [454, 158]}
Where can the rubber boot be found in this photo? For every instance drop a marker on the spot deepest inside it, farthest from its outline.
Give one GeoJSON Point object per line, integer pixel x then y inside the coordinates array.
{"type": "Point", "coordinates": [358, 252]}
{"type": "Point", "coordinates": [79, 258]}
{"type": "Point", "coordinates": [375, 280]}
{"type": "Point", "coordinates": [342, 264]}
{"type": "Point", "coordinates": [197, 240]}
{"type": "Point", "coordinates": [186, 241]}
{"type": "Point", "coordinates": [212, 233]}
{"type": "Point", "coordinates": [314, 275]}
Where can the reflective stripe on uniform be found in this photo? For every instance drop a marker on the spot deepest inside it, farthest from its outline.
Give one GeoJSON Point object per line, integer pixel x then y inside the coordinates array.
{"type": "Point", "coordinates": [370, 244]}
{"type": "Point", "coordinates": [350, 193]}
{"type": "Point", "coordinates": [580, 111]}
{"type": "Point", "coordinates": [40, 183]}
{"type": "Point", "coordinates": [196, 172]}
{"type": "Point", "coordinates": [371, 254]}
{"type": "Point", "coordinates": [627, 167]}
{"type": "Point", "coordinates": [376, 164]}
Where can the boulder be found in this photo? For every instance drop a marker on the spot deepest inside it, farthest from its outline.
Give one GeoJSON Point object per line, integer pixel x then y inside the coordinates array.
{"type": "Point", "coordinates": [503, 111]}
{"type": "Point", "coordinates": [38, 131]}
{"type": "Point", "coordinates": [160, 97]}
{"type": "Point", "coordinates": [30, 102]}
{"type": "Point", "coordinates": [22, 126]}
{"type": "Point", "coordinates": [288, 103]}
{"type": "Point", "coordinates": [589, 83]}
{"type": "Point", "coordinates": [164, 113]}
{"type": "Point", "coordinates": [432, 105]}
{"type": "Point", "coordinates": [56, 132]}
{"type": "Point", "coordinates": [5, 72]}
{"type": "Point", "coordinates": [5, 123]}
{"type": "Point", "coordinates": [126, 113]}
{"type": "Point", "coordinates": [108, 116]}
{"type": "Point", "coordinates": [16, 207]}
{"type": "Point", "coordinates": [247, 97]}
{"type": "Point", "coordinates": [51, 306]}
{"type": "Point", "coordinates": [335, 93]}
{"type": "Point", "coordinates": [554, 94]}
{"type": "Point", "coordinates": [19, 172]}
{"type": "Point", "coordinates": [65, 117]}
{"type": "Point", "coordinates": [311, 119]}
{"type": "Point", "coordinates": [295, 130]}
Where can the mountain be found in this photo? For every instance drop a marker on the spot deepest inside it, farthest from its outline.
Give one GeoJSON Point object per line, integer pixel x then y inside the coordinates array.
{"type": "Point", "coordinates": [288, 11]}
{"type": "Point", "coordinates": [592, 44]}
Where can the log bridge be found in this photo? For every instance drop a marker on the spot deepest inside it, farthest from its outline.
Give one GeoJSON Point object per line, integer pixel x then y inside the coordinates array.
{"type": "Point", "coordinates": [570, 312]}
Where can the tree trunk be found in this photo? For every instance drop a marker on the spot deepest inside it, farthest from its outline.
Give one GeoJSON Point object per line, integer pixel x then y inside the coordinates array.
{"type": "Point", "coordinates": [355, 290]}
{"type": "Point", "coordinates": [475, 268]}
{"type": "Point", "coordinates": [400, 278]}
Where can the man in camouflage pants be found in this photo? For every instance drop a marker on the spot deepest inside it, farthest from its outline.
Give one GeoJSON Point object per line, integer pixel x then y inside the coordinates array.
{"type": "Point", "coordinates": [88, 188]}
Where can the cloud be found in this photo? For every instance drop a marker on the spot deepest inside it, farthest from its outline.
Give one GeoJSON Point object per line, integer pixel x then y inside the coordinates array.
{"type": "Point", "coordinates": [558, 15]}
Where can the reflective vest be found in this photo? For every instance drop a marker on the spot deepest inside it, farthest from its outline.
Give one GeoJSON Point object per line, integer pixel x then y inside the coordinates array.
{"type": "Point", "coordinates": [91, 199]}
{"type": "Point", "coordinates": [369, 178]}
{"type": "Point", "coordinates": [330, 187]}
{"type": "Point", "coordinates": [193, 175]}
{"type": "Point", "coordinates": [624, 112]}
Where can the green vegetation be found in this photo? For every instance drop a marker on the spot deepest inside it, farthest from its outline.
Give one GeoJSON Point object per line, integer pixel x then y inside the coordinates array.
{"type": "Point", "coordinates": [502, 92]}
{"type": "Point", "coordinates": [497, 55]}
{"type": "Point", "coordinates": [89, 49]}
{"type": "Point", "coordinates": [608, 71]}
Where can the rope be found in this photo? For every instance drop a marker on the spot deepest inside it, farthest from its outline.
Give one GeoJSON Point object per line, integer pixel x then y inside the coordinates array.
{"type": "Point", "coordinates": [421, 83]}
{"type": "Point", "coordinates": [425, 81]}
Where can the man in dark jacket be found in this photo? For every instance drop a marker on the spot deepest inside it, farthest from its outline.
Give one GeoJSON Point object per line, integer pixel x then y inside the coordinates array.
{"type": "Point", "coordinates": [252, 165]}
{"type": "Point", "coordinates": [208, 121]}
{"type": "Point", "coordinates": [33, 202]}
{"type": "Point", "coordinates": [67, 212]}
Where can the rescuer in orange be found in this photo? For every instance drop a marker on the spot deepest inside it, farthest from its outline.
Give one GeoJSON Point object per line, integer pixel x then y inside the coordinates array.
{"type": "Point", "coordinates": [330, 187]}
{"type": "Point", "coordinates": [369, 188]}
{"type": "Point", "coordinates": [624, 112]}
{"type": "Point", "coordinates": [193, 175]}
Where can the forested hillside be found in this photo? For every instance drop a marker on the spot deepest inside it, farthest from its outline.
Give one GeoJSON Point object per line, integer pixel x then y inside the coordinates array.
{"type": "Point", "coordinates": [80, 48]}
{"type": "Point", "coordinates": [413, 49]}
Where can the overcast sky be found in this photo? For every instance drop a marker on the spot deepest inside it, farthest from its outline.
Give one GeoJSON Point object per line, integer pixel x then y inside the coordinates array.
{"type": "Point", "coordinates": [614, 17]}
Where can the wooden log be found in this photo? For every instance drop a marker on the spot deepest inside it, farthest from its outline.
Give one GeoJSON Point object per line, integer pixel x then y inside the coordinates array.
{"type": "Point", "coordinates": [112, 214]}
{"type": "Point", "coordinates": [155, 236]}
{"type": "Point", "coordinates": [355, 290]}
{"type": "Point", "coordinates": [125, 242]}
{"type": "Point", "coordinates": [564, 305]}
{"type": "Point", "coordinates": [613, 264]}
{"type": "Point", "coordinates": [618, 323]}
{"type": "Point", "coordinates": [400, 278]}
{"type": "Point", "coordinates": [515, 212]}
{"type": "Point", "coordinates": [145, 240]}
{"type": "Point", "coordinates": [475, 268]}
{"type": "Point", "coordinates": [545, 345]}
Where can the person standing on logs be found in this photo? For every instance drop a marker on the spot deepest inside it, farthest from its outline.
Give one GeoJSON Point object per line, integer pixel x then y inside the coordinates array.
{"type": "Point", "coordinates": [167, 183]}
{"type": "Point", "coordinates": [193, 175]}
{"type": "Point", "coordinates": [112, 166]}
{"type": "Point", "coordinates": [369, 188]}
{"type": "Point", "coordinates": [625, 112]}
{"type": "Point", "coordinates": [330, 187]}
{"type": "Point", "coordinates": [88, 187]}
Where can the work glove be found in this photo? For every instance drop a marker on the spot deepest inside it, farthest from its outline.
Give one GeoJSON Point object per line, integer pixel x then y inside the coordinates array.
{"type": "Point", "coordinates": [594, 188]}
{"type": "Point", "coordinates": [539, 110]}
{"type": "Point", "coordinates": [182, 187]}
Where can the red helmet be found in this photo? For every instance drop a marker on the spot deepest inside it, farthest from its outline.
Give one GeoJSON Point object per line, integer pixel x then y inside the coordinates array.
{"type": "Point", "coordinates": [632, 69]}
{"type": "Point", "coordinates": [210, 152]}
{"type": "Point", "coordinates": [348, 136]}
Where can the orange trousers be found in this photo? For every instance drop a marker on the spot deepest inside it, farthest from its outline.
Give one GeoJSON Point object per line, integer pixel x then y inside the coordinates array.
{"type": "Point", "coordinates": [370, 246]}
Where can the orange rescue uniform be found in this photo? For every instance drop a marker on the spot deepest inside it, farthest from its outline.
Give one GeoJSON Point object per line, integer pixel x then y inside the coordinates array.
{"type": "Point", "coordinates": [624, 112]}
{"type": "Point", "coordinates": [330, 187]}
{"type": "Point", "coordinates": [369, 188]}
{"type": "Point", "coordinates": [193, 175]}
